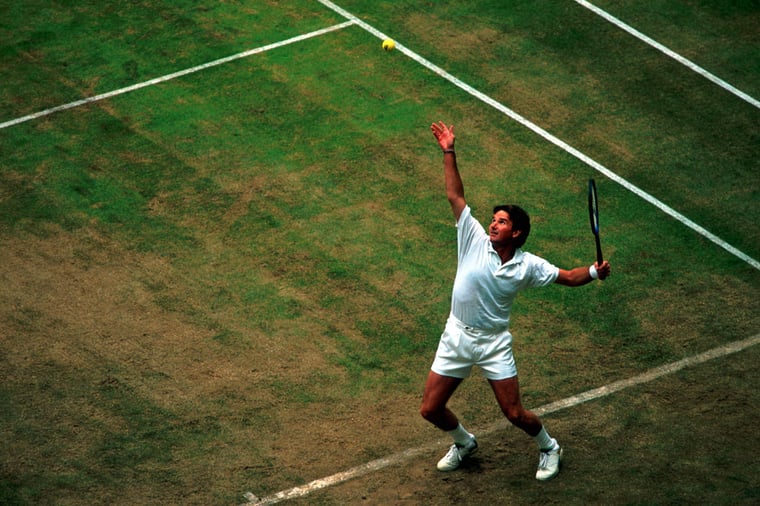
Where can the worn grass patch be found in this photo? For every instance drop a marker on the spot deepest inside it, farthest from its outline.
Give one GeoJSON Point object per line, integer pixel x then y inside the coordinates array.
{"type": "Point", "coordinates": [236, 280]}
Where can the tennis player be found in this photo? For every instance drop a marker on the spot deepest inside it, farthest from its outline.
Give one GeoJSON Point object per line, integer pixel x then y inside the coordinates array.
{"type": "Point", "coordinates": [492, 268]}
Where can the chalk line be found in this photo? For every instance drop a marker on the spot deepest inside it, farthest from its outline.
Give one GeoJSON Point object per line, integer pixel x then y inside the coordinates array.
{"type": "Point", "coordinates": [569, 402]}
{"type": "Point", "coordinates": [174, 75]}
{"type": "Point", "coordinates": [672, 54]}
{"type": "Point", "coordinates": [549, 137]}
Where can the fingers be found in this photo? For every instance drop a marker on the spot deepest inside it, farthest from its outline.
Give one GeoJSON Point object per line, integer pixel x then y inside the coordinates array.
{"type": "Point", "coordinates": [440, 128]}
{"type": "Point", "coordinates": [443, 134]}
{"type": "Point", "coordinates": [603, 270]}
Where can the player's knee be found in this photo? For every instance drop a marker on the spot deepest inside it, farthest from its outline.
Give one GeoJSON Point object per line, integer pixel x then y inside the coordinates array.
{"type": "Point", "coordinates": [429, 413]}
{"type": "Point", "coordinates": [515, 415]}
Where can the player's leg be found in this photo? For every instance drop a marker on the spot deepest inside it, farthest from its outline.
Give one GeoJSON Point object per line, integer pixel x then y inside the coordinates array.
{"type": "Point", "coordinates": [438, 391]}
{"type": "Point", "coordinates": [507, 393]}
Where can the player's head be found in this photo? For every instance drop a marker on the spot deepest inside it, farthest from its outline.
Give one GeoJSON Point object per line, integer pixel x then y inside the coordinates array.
{"type": "Point", "coordinates": [520, 221]}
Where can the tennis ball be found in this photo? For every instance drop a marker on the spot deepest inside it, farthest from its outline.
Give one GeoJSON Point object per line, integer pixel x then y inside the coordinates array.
{"type": "Point", "coordinates": [388, 45]}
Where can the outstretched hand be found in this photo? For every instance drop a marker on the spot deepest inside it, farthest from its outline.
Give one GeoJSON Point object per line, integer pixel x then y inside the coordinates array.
{"type": "Point", "coordinates": [443, 134]}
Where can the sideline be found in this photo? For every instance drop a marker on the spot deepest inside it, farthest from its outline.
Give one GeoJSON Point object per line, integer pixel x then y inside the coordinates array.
{"type": "Point", "coordinates": [353, 20]}
{"type": "Point", "coordinates": [549, 137]}
{"type": "Point", "coordinates": [672, 54]}
{"type": "Point", "coordinates": [575, 400]}
{"type": "Point", "coordinates": [169, 77]}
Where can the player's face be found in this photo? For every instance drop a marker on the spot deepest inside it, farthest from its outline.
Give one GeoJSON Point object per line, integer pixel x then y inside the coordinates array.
{"type": "Point", "coordinates": [500, 230]}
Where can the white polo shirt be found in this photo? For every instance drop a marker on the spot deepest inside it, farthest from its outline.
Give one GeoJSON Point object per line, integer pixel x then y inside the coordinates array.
{"type": "Point", "coordinates": [484, 288]}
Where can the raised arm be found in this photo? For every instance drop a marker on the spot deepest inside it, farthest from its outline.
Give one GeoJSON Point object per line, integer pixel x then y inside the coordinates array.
{"type": "Point", "coordinates": [454, 187]}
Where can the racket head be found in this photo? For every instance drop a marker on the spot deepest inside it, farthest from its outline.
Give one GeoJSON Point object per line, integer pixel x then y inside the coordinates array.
{"type": "Point", "coordinates": [593, 207]}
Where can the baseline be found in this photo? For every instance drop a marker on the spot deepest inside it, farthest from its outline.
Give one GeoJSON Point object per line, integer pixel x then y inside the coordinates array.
{"type": "Point", "coordinates": [575, 400]}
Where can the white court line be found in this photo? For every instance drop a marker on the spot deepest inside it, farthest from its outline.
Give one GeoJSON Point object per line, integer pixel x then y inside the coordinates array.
{"type": "Point", "coordinates": [680, 59]}
{"type": "Point", "coordinates": [549, 137]}
{"type": "Point", "coordinates": [401, 457]}
{"type": "Point", "coordinates": [174, 75]}
{"type": "Point", "coordinates": [472, 91]}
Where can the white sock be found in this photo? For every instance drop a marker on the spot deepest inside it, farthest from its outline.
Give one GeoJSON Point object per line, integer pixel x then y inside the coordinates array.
{"type": "Point", "coordinates": [460, 435]}
{"type": "Point", "coordinates": [544, 441]}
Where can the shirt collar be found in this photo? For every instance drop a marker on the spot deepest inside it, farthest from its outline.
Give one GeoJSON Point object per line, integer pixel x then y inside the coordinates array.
{"type": "Point", "coordinates": [517, 258]}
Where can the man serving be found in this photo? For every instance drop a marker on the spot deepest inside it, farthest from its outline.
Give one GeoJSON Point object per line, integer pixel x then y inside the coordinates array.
{"type": "Point", "coordinates": [492, 268]}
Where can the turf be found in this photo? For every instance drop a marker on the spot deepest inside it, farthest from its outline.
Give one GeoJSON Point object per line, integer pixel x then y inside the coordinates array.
{"type": "Point", "coordinates": [208, 281]}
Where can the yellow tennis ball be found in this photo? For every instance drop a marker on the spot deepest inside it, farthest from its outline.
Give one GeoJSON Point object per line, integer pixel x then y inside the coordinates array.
{"type": "Point", "coordinates": [388, 45]}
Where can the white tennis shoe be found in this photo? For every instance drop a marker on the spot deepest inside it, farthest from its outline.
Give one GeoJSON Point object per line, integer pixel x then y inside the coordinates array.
{"type": "Point", "coordinates": [456, 454]}
{"type": "Point", "coordinates": [548, 463]}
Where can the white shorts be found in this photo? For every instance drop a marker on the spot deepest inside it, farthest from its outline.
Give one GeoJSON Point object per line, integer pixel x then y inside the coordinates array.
{"type": "Point", "coordinates": [462, 347]}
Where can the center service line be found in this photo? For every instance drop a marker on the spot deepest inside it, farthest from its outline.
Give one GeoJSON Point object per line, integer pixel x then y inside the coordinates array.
{"type": "Point", "coordinates": [551, 138]}
{"type": "Point", "coordinates": [575, 400]}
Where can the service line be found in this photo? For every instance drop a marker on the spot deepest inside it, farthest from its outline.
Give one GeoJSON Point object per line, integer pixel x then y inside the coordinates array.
{"type": "Point", "coordinates": [169, 77]}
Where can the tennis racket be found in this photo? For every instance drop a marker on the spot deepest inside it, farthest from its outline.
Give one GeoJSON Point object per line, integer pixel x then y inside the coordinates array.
{"type": "Point", "coordinates": [593, 214]}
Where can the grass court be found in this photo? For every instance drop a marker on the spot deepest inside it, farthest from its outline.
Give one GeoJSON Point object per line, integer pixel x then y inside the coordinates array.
{"type": "Point", "coordinates": [226, 253]}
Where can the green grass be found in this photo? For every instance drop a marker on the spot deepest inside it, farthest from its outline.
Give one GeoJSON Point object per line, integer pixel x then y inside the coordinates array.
{"type": "Point", "coordinates": [204, 277]}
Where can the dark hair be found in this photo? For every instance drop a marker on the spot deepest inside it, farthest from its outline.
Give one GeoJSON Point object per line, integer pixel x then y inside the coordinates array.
{"type": "Point", "coordinates": [520, 221]}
